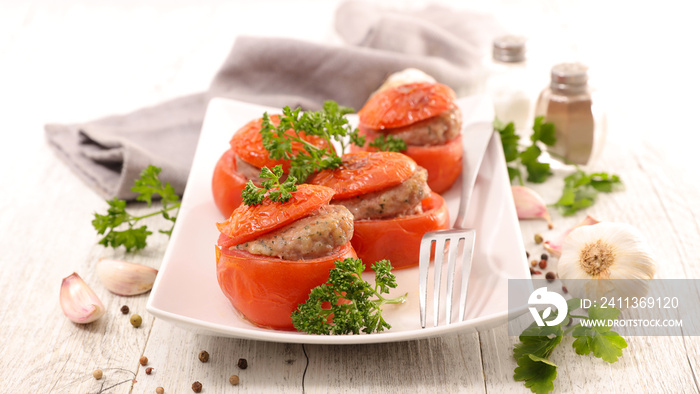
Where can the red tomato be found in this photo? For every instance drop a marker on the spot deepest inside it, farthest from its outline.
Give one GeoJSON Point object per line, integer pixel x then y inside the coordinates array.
{"type": "Point", "coordinates": [248, 145]}
{"type": "Point", "coordinates": [249, 222]}
{"type": "Point", "coordinates": [266, 290]}
{"type": "Point", "coordinates": [227, 184]}
{"type": "Point", "coordinates": [443, 162]}
{"type": "Point", "coordinates": [364, 172]}
{"type": "Point", "coordinates": [398, 239]}
{"type": "Point", "coordinates": [406, 104]}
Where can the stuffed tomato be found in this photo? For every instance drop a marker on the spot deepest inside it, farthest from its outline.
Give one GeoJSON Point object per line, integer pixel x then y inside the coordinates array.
{"type": "Point", "coordinates": [425, 116]}
{"type": "Point", "coordinates": [391, 202]}
{"type": "Point", "coordinates": [243, 161]}
{"type": "Point", "coordinates": [269, 256]}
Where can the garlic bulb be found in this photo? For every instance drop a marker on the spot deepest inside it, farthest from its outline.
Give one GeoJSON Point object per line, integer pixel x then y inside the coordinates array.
{"type": "Point", "coordinates": [596, 256]}
{"type": "Point", "coordinates": [79, 303]}
{"type": "Point", "coordinates": [404, 77]}
{"type": "Point", "coordinates": [125, 278]}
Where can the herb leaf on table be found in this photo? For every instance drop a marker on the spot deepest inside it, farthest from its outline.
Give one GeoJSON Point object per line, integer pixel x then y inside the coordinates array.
{"type": "Point", "coordinates": [581, 190]}
{"type": "Point", "coordinates": [147, 186]}
{"type": "Point", "coordinates": [538, 343]}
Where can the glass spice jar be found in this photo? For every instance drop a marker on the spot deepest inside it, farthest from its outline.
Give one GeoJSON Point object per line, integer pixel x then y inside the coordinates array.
{"type": "Point", "coordinates": [508, 79]}
{"type": "Point", "coordinates": [574, 109]}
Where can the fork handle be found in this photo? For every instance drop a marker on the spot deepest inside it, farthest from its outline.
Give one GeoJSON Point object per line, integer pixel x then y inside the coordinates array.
{"type": "Point", "coordinates": [477, 137]}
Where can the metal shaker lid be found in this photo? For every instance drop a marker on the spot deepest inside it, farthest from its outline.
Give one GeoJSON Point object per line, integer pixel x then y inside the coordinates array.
{"type": "Point", "coordinates": [509, 49]}
{"type": "Point", "coordinates": [569, 74]}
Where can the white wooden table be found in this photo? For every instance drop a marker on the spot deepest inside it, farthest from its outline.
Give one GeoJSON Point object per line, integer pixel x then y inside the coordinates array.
{"type": "Point", "coordinates": [78, 60]}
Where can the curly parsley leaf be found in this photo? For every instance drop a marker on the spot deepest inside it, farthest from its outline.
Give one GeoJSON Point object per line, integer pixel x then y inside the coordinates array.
{"type": "Point", "coordinates": [388, 143]}
{"type": "Point", "coordinates": [147, 186]}
{"type": "Point", "coordinates": [329, 123]}
{"type": "Point", "coordinates": [363, 313]}
{"type": "Point", "coordinates": [271, 187]}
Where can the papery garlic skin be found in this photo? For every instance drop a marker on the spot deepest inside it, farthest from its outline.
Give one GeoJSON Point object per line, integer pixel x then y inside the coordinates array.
{"type": "Point", "coordinates": [79, 302]}
{"type": "Point", "coordinates": [554, 247]}
{"type": "Point", "coordinates": [125, 278]}
{"type": "Point", "coordinates": [529, 204]}
{"type": "Point", "coordinates": [595, 253]}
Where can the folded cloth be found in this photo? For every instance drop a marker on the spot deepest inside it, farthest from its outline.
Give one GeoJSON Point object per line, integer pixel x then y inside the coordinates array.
{"type": "Point", "coordinates": [109, 153]}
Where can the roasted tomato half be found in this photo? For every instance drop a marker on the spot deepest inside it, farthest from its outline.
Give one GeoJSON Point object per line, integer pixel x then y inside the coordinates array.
{"type": "Point", "coordinates": [398, 239]}
{"type": "Point", "coordinates": [266, 290]}
{"type": "Point", "coordinates": [246, 144]}
{"type": "Point", "coordinates": [443, 162]}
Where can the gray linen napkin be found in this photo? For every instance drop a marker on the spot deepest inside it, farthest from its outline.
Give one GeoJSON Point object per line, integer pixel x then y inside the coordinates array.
{"type": "Point", "coordinates": [109, 153]}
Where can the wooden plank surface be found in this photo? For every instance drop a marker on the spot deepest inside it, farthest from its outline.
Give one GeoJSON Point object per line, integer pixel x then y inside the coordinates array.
{"type": "Point", "coordinates": [77, 60]}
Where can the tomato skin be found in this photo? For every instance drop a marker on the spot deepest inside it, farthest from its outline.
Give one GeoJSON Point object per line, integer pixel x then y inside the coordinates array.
{"type": "Point", "coordinates": [249, 222]}
{"type": "Point", "coordinates": [406, 104]}
{"type": "Point", "coordinates": [398, 239]}
{"type": "Point", "coordinates": [366, 172]}
{"type": "Point", "coordinates": [248, 144]}
{"type": "Point", "coordinates": [227, 184]}
{"type": "Point", "coordinates": [266, 290]}
{"type": "Point", "coordinates": [443, 162]}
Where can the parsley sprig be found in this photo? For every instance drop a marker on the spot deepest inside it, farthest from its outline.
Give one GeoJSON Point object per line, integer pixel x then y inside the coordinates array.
{"type": "Point", "coordinates": [271, 186]}
{"type": "Point", "coordinates": [580, 188]}
{"type": "Point", "coordinates": [538, 343]}
{"type": "Point", "coordinates": [329, 124]}
{"type": "Point", "coordinates": [147, 186]}
{"type": "Point", "coordinates": [388, 143]}
{"type": "Point", "coordinates": [362, 314]}
{"type": "Point", "coordinates": [529, 157]}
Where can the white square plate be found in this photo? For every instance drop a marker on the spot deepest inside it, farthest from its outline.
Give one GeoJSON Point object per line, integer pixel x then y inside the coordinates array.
{"type": "Point", "coordinates": [186, 292]}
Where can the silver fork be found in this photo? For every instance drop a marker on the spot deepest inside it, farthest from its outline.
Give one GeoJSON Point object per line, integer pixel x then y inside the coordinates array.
{"type": "Point", "coordinates": [477, 135]}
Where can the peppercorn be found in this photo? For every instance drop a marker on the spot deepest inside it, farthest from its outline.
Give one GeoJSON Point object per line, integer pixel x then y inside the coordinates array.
{"type": "Point", "coordinates": [527, 254]}
{"type": "Point", "coordinates": [124, 309]}
{"type": "Point", "coordinates": [564, 289]}
{"type": "Point", "coordinates": [97, 374]}
{"type": "Point", "coordinates": [143, 360]}
{"type": "Point", "coordinates": [136, 320]}
{"type": "Point", "coordinates": [532, 272]}
{"type": "Point", "coordinates": [538, 272]}
{"type": "Point", "coordinates": [550, 276]}
{"type": "Point", "coordinates": [543, 264]}
{"type": "Point", "coordinates": [242, 363]}
{"type": "Point", "coordinates": [197, 387]}
{"type": "Point", "coordinates": [203, 356]}
{"type": "Point", "coordinates": [538, 238]}
{"type": "Point", "coordinates": [234, 380]}
{"type": "Point", "coordinates": [160, 390]}
{"type": "Point", "coordinates": [544, 256]}
{"type": "Point", "coordinates": [149, 370]}
{"type": "Point", "coordinates": [533, 263]}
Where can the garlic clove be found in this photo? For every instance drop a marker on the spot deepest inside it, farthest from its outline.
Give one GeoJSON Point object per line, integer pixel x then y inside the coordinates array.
{"type": "Point", "coordinates": [529, 204]}
{"type": "Point", "coordinates": [78, 301]}
{"type": "Point", "coordinates": [125, 278]}
{"type": "Point", "coordinates": [554, 247]}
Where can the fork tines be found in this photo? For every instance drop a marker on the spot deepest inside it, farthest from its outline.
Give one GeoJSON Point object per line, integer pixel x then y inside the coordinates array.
{"type": "Point", "coordinates": [454, 246]}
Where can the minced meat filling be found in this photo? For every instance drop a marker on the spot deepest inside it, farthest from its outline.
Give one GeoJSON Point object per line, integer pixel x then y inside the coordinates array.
{"type": "Point", "coordinates": [314, 236]}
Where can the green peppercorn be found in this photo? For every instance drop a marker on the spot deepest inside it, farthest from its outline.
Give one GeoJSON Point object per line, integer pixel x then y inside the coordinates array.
{"type": "Point", "coordinates": [538, 238]}
{"type": "Point", "coordinates": [136, 320]}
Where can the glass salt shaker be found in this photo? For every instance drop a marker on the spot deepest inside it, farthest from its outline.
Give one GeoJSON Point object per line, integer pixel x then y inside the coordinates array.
{"type": "Point", "coordinates": [575, 110]}
{"type": "Point", "coordinates": [508, 80]}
